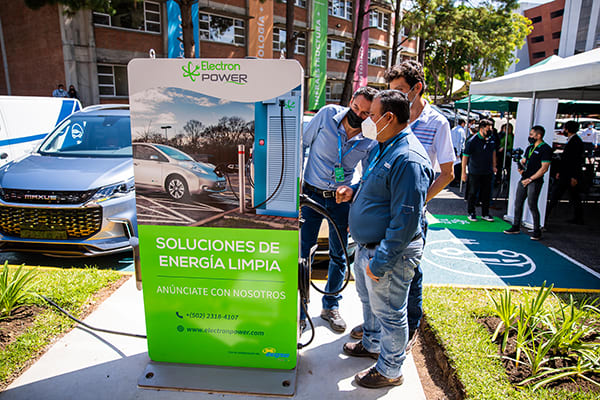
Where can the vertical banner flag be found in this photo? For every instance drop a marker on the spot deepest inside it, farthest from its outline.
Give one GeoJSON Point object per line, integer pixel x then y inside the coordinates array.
{"type": "Point", "coordinates": [318, 63]}
{"type": "Point", "coordinates": [362, 66]}
{"type": "Point", "coordinates": [260, 29]}
{"type": "Point", "coordinates": [175, 33]}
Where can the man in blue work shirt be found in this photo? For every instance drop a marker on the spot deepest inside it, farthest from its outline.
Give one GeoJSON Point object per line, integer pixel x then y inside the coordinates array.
{"type": "Point", "coordinates": [386, 219]}
{"type": "Point", "coordinates": [336, 146]}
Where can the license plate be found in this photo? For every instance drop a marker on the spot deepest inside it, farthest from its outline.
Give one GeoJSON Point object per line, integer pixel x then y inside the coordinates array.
{"type": "Point", "coordinates": [54, 232]}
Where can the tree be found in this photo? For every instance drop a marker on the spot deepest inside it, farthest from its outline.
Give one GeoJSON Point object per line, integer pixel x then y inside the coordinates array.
{"type": "Point", "coordinates": [194, 130]}
{"type": "Point", "coordinates": [72, 6]}
{"type": "Point", "coordinates": [187, 27]}
{"type": "Point", "coordinates": [456, 37]}
{"type": "Point", "coordinates": [290, 38]}
{"type": "Point", "coordinates": [347, 91]}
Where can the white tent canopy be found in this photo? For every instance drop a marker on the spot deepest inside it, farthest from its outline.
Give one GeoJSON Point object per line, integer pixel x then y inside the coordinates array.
{"type": "Point", "coordinates": [575, 78]}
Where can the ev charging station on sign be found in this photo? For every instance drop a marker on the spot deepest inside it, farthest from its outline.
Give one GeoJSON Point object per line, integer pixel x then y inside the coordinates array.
{"type": "Point", "coordinates": [221, 284]}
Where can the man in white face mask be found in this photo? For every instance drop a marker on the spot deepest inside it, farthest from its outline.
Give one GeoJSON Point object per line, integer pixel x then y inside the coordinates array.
{"type": "Point", "coordinates": [433, 131]}
{"type": "Point", "coordinates": [386, 220]}
{"type": "Point", "coordinates": [336, 147]}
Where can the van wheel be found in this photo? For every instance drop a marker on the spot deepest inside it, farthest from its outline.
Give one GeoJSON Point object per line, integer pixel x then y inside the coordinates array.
{"type": "Point", "coordinates": [177, 188]}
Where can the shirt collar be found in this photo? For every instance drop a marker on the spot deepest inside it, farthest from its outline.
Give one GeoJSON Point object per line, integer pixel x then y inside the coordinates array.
{"type": "Point", "coordinates": [340, 115]}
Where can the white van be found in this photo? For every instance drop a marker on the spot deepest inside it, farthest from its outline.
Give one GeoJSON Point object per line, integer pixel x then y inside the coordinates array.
{"type": "Point", "coordinates": [26, 120]}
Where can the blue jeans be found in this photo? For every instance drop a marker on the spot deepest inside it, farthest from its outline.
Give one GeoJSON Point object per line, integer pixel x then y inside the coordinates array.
{"type": "Point", "coordinates": [385, 327]}
{"type": "Point", "coordinates": [415, 293]}
{"type": "Point", "coordinates": [308, 238]}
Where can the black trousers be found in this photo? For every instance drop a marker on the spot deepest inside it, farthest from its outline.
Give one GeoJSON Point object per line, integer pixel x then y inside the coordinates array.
{"type": "Point", "coordinates": [481, 184]}
{"type": "Point", "coordinates": [559, 188]}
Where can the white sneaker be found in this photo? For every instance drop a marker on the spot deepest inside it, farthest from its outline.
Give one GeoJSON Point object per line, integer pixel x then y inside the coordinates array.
{"type": "Point", "coordinates": [487, 218]}
{"type": "Point", "coordinates": [472, 217]}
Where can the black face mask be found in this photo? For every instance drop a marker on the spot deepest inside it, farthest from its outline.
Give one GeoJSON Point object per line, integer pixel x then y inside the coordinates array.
{"type": "Point", "coordinates": [353, 120]}
{"type": "Point", "coordinates": [531, 140]}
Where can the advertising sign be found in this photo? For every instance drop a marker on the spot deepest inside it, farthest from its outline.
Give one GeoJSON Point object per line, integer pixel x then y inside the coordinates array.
{"type": "Point", "coordinates": [362, 66]}
{"type": "Point", "coordinates": [318, 59]}
{"type": "Point", "coordinates": [220, 284]}
{"type": "Point", "coordinates": [260, 29]}
{"type": "Point", "coordinates": [175, 34]}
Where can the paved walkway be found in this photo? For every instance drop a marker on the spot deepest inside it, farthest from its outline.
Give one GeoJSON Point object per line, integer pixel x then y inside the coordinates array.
{"type": "Point", "coordinates": [87, 365]}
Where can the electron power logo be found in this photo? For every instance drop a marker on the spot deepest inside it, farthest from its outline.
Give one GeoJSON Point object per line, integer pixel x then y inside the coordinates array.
{"type": "Point", "coordinates": [271, 352]}
{"type": "Point", "coordinates": [215, 72]}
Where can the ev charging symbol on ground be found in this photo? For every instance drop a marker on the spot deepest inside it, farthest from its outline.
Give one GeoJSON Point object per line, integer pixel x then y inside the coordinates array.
{"type": "Point", "coordinates": [462, 256]}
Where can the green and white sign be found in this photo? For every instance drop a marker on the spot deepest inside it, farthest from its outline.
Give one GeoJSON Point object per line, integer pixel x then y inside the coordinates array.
{"type": "Point", "coordinates": [318, 63]}
{"type": "Point", "coordinates": [220, 283]}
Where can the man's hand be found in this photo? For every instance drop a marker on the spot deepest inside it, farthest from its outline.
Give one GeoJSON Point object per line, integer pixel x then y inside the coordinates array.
{"type": "Point", "coordinates": [370, 274]}
{"type": "Point", "coordinates": [573, 182]}
{"type": "Point", "coordinates": [526, 182]}
{"type": "Point", "coordinates": [557, 175]}
{"type": "Point", "coordinates": [463, 176]}
{"type": "Point", "coordinates": [343, 194]}
{"type": "Point", "coordinates": [495, 170]}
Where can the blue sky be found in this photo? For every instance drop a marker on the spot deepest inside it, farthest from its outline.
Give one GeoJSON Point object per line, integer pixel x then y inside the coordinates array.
{"type": "Point", "coordinates": [174, 106]}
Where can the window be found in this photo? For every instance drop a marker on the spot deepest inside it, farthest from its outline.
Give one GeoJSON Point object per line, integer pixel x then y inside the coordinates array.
{"type": "Point", "coordinates": [378, 57]}
{"type": "Point", "coordinates": [279, 38]}
{"type": "Point", "coordinates": [556, 35]}
{"type": "Point", "coordinates": [338, 50]}
{"type": "Point", "coordinates": [333, 91]}
{"type": "Point", "coordinates": [537, 39]}
{"type": "Point", "coordinates": [141, 16]}
{"type": "Point", "coordinates": [380, 20]}
{"type": "Point", "coordinates": [555, 51]}
{"type": "Point", "coordinates": [341, 9]}
{"type": "Point", "coordinates": [112, 80]}
{"type": "Point", "coordinates": [535, 20]}
{"type": "Point", "coordinates": [297, 3]}
{"type": "Point", "coordinates": [557, 14]}
{"type": "Point", "coordinates": [539, 54]}
{"type": "Point", "coordinates": [222, 29]}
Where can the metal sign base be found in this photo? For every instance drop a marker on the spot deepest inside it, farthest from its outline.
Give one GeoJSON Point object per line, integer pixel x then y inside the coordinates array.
{"type": "Point", "coordinates": [210, 378]}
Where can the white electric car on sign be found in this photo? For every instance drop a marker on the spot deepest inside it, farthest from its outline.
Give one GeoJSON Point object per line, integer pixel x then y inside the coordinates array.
{"type": "Point", "coordinates": [165, 168]}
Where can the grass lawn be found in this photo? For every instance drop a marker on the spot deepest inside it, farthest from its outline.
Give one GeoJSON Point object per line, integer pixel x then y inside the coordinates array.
{"type": "Point", "coordinates": [73, 290]}
{"type": "Point", "coordinates": [453, 317]}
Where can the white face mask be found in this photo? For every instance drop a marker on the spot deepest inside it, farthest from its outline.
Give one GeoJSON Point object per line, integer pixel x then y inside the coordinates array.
{"type": "Point", "coordinates": [369, 128]}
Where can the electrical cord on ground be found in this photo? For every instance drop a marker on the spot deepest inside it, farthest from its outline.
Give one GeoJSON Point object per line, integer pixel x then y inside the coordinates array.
{"type": "Point", "coordinates": [312, 326]}
{"type": "Point", "coordinates": [308, 202]}
{"type": "Point", "coordinates": [231, 187]}
{"type": "Point", "coordinates": [59, 308]}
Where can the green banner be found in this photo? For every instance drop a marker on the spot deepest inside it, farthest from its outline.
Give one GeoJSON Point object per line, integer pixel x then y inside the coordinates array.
{"type": "Point", "coordinates": [220, 296]}
{"type": "Point", "coordinates": [318, 59]}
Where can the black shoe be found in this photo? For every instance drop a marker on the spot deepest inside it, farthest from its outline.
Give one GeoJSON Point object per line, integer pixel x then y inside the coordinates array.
{"type": "Point", "coordinates": [513, 230]}
{"type": "Point", "coordinates": [472, 217]}
{"type": "Point", "coordinates": [356, 332]}
{"type": "Point", "coordinates": [371, 378]}
{"type": "Point", "coordinates": [536, 235]}
{"type": "Point", "coordinates": [356, 349]}
{"type": "Point", "coordinates": [334, 318]}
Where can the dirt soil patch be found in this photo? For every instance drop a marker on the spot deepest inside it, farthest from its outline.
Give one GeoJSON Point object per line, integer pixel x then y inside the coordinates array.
{"type": "Point", "coordinates": [437, 376]}
{"type": "Point", "coordinates": [23, 317]}
{"type": "Point", "coordinates": [517, 373]}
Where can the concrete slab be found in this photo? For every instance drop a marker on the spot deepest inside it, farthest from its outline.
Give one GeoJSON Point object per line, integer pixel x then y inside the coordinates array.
{"type": "Point", "coordinates": [88, 365]}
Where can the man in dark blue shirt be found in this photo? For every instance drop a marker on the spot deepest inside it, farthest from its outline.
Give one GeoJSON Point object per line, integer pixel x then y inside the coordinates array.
{"type": "Point", "coordinates": [532, 167]}
{"type": "Point", "coordinates": [480, 156]}
{"type": "Point", "coordinates": [386, 219]}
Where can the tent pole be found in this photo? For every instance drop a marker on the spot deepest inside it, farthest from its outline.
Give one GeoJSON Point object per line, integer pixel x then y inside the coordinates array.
{"type": "Point", "coordinates": [532, 109]}
{"type": "Point", "coordinates": [466, 134]}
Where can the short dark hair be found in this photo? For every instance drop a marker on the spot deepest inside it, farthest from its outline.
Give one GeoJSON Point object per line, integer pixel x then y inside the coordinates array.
{"type": "Point", "coordinates": [395, 102]}
{"type": "Point", "coordinates": [485, 122]}
{"type": "Point", "coordinates": [366, 91]}
{"type": "Point", "coordinates": [462, 121]}
{"type": "Point", "coordinates": [539, 130]}
{"type": "Point", "coordinates": [410, 70]}
{"type": "Point", "coordinates": [571, 126]}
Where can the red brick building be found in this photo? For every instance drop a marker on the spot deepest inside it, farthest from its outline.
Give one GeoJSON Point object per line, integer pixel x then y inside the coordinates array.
{"type": "Point", "coordinates": [91, 50]}
{"type": "Point", "coordinates": [547, 21]}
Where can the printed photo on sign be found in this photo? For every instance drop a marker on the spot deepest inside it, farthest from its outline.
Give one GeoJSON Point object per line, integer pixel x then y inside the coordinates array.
{"type": "Point", "coordinates": [187, 164]}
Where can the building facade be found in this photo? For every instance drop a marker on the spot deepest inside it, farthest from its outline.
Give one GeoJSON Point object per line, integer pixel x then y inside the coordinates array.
{"type": "Point", "coordinates": [547, 21]}
{"type": "Point", "coordinates": [90, 50]}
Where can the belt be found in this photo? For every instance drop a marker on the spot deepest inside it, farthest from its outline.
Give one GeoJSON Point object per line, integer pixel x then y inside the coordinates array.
{"type": "Point", "coordinates": [326, 194]}
{"type": "Point", "coordinates": [372, 246]}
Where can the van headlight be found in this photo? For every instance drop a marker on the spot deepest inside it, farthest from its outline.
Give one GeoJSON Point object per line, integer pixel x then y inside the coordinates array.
{"type": "Point", "coordinates": [113, 191]}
